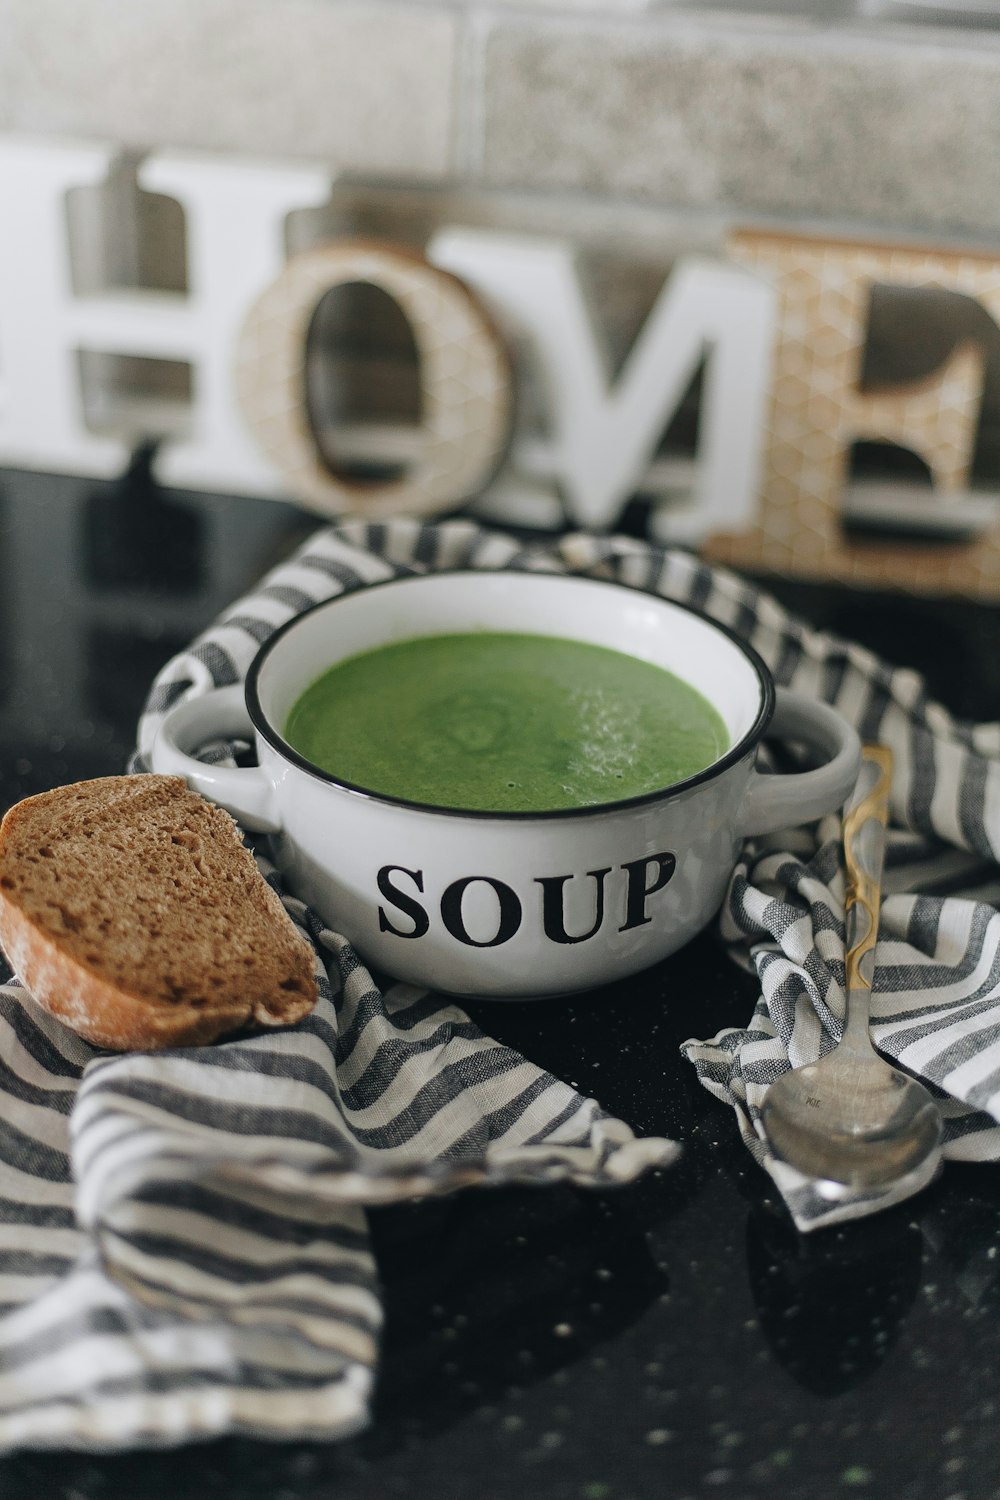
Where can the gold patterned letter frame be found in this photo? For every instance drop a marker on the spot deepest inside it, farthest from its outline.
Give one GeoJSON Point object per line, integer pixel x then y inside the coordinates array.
{"type": "Point", "coordinates": [818, 410]}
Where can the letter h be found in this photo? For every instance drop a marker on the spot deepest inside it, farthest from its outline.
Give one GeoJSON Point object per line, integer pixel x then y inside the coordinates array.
{"type": "Point", "coordinates": [234, 215]}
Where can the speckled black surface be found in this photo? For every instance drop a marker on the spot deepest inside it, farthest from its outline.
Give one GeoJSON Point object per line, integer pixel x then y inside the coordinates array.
{"type": "Point", "coordinates": [674, 1339]}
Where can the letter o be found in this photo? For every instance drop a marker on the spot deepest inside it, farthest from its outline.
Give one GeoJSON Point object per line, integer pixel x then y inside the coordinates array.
{"type": "Point", "coordinates": [464, 368]}
{"type": "Point", "coordinates": [509, 916]}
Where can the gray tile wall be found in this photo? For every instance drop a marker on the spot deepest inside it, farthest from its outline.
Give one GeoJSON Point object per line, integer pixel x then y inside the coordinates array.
{"type": "Point", "coordinates": [369, 87]}
{"type": "Point", "coordinates": [803, 110]}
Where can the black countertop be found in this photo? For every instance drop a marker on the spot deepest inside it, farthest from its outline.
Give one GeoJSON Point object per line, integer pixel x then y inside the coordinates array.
{"type": "Point", "coordinates": [668, 1340]}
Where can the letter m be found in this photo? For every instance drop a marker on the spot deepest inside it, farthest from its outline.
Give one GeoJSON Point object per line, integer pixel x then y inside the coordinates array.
{"type": "Point", "coordinates": [603, 436]}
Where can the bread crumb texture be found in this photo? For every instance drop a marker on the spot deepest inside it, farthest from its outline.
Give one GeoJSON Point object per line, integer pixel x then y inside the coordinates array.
{"type": "Point", "coordinates": [131, 909]}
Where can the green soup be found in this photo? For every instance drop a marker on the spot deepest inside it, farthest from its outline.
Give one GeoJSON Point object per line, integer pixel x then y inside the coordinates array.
{"type": "Point", "coordinates": [504, 723]}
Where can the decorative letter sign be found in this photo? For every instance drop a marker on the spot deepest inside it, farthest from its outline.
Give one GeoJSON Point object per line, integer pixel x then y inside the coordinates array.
{"type": "Point", "coordinates": [464, 377]}
{"type": "Point", "coordinates": [818, 410]}
{"type": "Point", "coordinates": [779, 326]}
{"type": "Point", "coordinates": [235, 214]}
{"type": "Point", "coordinates": [603, 438]}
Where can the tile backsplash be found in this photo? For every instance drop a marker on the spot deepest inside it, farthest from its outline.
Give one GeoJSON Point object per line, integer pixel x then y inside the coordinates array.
{"type": "Point", "coordinates": [783, 108]}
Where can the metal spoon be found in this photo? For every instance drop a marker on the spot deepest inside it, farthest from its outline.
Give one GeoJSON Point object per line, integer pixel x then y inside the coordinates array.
{"type": "Point", "coordinates": [850, 1120]}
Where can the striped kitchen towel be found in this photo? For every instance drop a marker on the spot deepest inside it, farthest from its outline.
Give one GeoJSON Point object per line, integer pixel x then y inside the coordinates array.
{"type": "Point", "coordinates": [184, 1249]}
{"type": "Point", "coordinates": [935, 1005]}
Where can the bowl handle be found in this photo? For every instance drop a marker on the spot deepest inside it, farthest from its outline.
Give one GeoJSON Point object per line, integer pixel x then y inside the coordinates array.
{"type": "Point", "coordinates": [783, 801]}
{"type": "Point", "coordinates": [221, 714]}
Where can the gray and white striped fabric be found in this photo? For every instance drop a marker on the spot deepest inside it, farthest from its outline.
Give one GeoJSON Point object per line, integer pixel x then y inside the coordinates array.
{"type": "Point", "coordinates": [210, 1271]}
{"type": "Point", "coordinates": [184, 1249]}
{"type": "Point", "coordinates": [935, 1009]}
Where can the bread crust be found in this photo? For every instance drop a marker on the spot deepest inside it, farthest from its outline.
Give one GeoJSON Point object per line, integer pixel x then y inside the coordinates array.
{"type": "Point", "coordinates": [111, 1014]}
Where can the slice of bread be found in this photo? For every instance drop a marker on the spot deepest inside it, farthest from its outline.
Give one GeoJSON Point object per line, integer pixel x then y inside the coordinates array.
{"type": "Point", "coordinates": [131, 909]}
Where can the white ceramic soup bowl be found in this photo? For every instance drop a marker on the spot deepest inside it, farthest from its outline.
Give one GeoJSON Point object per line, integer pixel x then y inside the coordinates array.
{"type": "Point", "coordinates": [511, 904]}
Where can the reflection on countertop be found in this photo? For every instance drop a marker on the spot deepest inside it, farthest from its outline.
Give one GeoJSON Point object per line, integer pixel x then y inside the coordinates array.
{"type": "Point", "coordinates": [102, 583]}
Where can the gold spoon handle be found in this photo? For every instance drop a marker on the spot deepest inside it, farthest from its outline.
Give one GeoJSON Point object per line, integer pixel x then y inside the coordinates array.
{"type": "Point", "coordinates": [865, 819]}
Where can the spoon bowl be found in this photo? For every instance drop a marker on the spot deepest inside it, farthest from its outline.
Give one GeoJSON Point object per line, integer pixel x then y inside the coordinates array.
{"type": "Point", "coordinates": [855, 1122]}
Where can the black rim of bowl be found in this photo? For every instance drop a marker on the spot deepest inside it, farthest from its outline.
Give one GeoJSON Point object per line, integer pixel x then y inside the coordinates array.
{"type": "Point", "coordinates": [735, 753]}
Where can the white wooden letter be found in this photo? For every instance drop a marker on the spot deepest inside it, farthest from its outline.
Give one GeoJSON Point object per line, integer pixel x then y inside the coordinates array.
{"type": "Point", "coordinates": [235, 218]}
{"type": "Point", "coordinates": [603, 437]}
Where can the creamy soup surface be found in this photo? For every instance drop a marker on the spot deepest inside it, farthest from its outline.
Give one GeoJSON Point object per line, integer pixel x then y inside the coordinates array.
{"type": "Point", "coordinates": [501, 722]}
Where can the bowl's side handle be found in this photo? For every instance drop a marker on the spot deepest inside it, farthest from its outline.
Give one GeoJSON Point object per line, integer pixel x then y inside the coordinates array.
{"type": "Point", "coordinates": [771, 802]}
{"type": "Point", "coordinates": [195, 722]}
